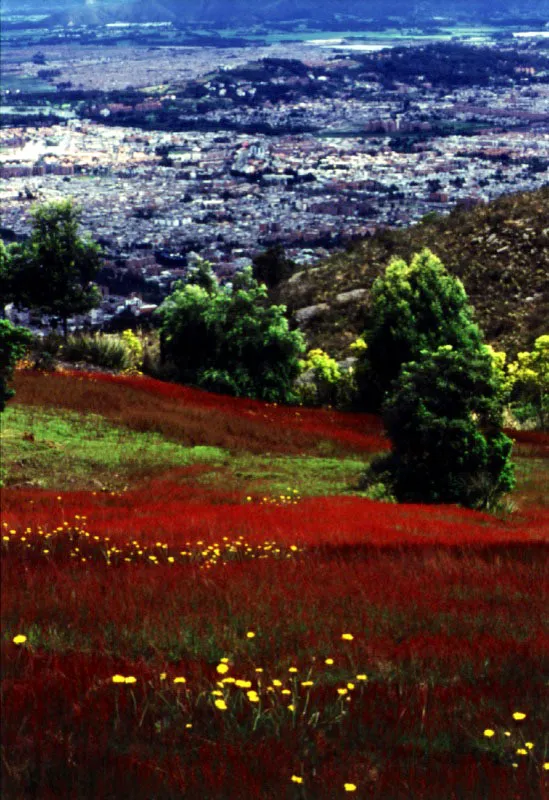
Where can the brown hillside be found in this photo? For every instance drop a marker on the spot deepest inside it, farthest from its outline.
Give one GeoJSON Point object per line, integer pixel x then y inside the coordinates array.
{"type": "Point", "coordinates": [500, 250]}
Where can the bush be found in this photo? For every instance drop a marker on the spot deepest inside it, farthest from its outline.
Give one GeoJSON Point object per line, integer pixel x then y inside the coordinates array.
{"type": "Point", "coordinates": [14, 342]}
{"type": "Point", "coordinates": [530, 376]}
{"type": "Point", "coordinates": [444, 419]}
{"type": "Point", "coordinates": [109, 350]}
{"type": "Point", "coordinates": [324, 382]}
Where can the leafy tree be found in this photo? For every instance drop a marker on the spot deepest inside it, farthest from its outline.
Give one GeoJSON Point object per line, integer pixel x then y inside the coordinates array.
{"type": "Point", "coordinates": [13, 345]}
{"type": "Point", "coordinates": [444, 420]}
{"type": "Point", "coordinates": [229, 339]}
{"type": "Point", "coordinates": [54, 270]}
{"type": "Point", "coordinates": [415, 307]}
{"type": "Point", "coordinates": [530, 373]}
{"type": "Point", "coordinates": [272, 266]}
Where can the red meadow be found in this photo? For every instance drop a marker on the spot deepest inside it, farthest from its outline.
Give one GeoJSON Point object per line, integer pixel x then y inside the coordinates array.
{"type": "Point", "coordinates": [184, 638]}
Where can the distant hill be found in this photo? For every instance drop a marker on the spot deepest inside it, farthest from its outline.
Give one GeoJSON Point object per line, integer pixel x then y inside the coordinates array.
{"type": "Point", "coordinates": [95, 14]}
{"type": "Point", "coordinates": [98, 12]}
{"type": "Point", "coordinates": [500, 250]}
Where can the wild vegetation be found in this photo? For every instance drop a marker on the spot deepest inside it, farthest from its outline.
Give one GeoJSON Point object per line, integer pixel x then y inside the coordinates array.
{"type": "Point", "coordinates": [196, 602]}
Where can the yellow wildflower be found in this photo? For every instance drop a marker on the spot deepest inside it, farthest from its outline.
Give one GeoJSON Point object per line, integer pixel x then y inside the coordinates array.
{"type": "Point", "coordinates": [489, 733]}
{"type": "Point", "coordinates": [349, 787]}
{"type": "Point", "coordinates": [181, 679]}
{"type": "Point", "coordinates": [329, 661]}
{"type": "Point", "coordinates": [522, 752]}
{"type": "Point", "coordinates": [221, 705]}
{"type": "Point", "coordinates": [347, 636]}
{"type": "Point", "coordinates": [19, 639]}
{"type": "Point", "coordinates": [518, 715]}
{"type": "Point", "coordinates": [118, 679]}
{"type": "Point", "coordinates": [250, 635]}
{"type": "Point", "coordinates": [222, 668]}
{"type": "Point", "coordinates": [296, 779]}
{"type": "Point", "coordinates": [130, 679]}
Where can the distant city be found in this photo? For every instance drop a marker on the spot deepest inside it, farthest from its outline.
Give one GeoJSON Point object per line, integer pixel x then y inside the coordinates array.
{"type": "Point", "coordinates": [176, 151]}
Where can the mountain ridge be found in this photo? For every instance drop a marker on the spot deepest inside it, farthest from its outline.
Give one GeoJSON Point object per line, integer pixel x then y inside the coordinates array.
{"type": "Point", "coordinates": [100, 12]}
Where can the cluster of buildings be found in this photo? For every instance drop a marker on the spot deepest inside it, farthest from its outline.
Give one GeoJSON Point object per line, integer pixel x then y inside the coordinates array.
{"type": "Point", "coordinates": [154, 198]}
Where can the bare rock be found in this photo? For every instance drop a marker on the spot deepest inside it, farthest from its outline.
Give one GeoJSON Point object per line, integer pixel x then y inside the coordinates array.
{"type": "Point", "coordinates": [304, 315]}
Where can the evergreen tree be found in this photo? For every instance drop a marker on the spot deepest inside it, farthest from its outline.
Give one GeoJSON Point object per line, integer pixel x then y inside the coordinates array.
{"type": "Point", "coordinates": [444, 418]}
{"type": "Point", "coordinates": [415, 307]}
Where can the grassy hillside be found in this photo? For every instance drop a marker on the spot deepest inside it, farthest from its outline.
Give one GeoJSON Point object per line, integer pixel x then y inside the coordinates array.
{"type": "Point", "coordinates": [196, 603]}
{"type": "Point", "coordinates": [500, 250]}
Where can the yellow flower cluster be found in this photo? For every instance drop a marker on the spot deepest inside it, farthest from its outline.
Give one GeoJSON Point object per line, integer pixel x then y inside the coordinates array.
{"type": "Point", "coordinates": [122, 679]}
{"type": "Point", "coordinates": [291, 499]}
{"type": "Point", "coordinates": [75, 541]}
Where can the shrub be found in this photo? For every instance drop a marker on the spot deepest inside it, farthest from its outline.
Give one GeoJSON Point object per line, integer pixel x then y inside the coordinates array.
{"type": "Point", "coordinates": [320, 376]}
{"type": "Point", "coordinates": [530, 373]}
{"type": "Point", "coordinates": [325, 382]}
{"type": "Point", "coordinates": [109, 350]}
{"type": "Point", "coordinates": [444, 419]}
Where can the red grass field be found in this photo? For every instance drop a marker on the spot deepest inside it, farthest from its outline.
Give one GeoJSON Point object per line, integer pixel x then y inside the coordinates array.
{"type": "Point", "coordinates": [444, 613]}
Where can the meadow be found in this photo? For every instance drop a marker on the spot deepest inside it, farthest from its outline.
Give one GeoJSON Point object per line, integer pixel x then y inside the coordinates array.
{"type": "Point", "coordinates": [197, 602]}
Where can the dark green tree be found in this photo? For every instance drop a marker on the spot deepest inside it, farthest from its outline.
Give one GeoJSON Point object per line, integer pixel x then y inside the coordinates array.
{"type": "Point", "coordinates": [272, 266]}
{"type": "Point", "coordinates": [231, 340]}
{"type": "Point", "coordinates": [5, 277]}
{"type": "Point", "coordinates": [54, 270]}
{"type": "Point", "coordinates": [415, 307]}
{"type": "Point", "coordinates": [444, 419]}
{"type": "Point", "coordinates": [14, 342]}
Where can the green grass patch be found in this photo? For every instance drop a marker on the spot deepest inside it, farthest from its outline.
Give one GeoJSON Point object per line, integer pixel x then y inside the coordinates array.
{"type": "Point", "coordinates": [66, 450]}
{"type": "Point", "coordinates": [273, 476]}
{"type": "Point", "coordinates": [59, 449]}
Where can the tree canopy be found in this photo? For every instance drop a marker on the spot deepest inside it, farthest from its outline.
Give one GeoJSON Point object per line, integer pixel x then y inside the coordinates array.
{"type": "Point", "coordinates": [230, 339]}
{"type": "Point", "coordinates": [53, 271]}
{"type": "Point", "coordinates": [444, 420]}
{"type": "Point", "coordinates": [417, 306]}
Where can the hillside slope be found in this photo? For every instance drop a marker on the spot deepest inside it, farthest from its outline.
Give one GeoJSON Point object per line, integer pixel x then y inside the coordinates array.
{"type": "Point", "coordinates": [500, 250]}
